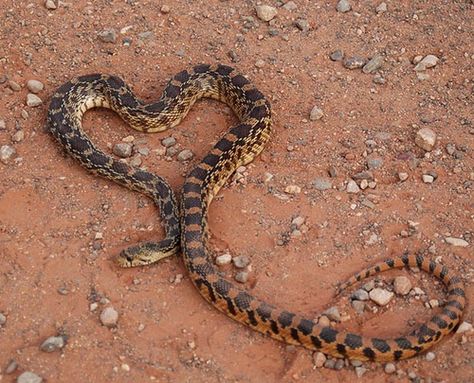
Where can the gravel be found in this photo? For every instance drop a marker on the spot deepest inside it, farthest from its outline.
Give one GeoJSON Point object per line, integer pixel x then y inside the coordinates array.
{"type": "Point", "coordinates": [427, 62]}
{"type": "Point", "coordinates": [427, 179]}
{"type": "Point", "coordinates": [358, 306]}
{"type": "Point", "coordinates": [3, 124]}
{"type": "Point", "coordinates": [3, 319]}
{"type": "Point", "coordinates": [464, 327]}
{"type": "Point", "coordinates": [333, 314]}
{"type": "Point", "coordinates": [458, 242]}
{"type": "Point", "coordinates": [316, 113]}
{"type": "Point", "coordinates": [390, 368]}
{"type": "Point", "coordinates": [343, 6]}
{"type": "Point", "coordinates": [360, 295]}
{"type": "Point", "coordinates": [322, 183]}
{"type": "Point", "coordinates": [266, 12]}
{"type": "Point", "coordinates": [374, 163]}
{"type": "Point", "coordinates": [34, 86]}
{"type": "Point", "coordinates": [168, 142]}
{"type": "Point", "coordinates": [292, 189]}
{"type": "Point", "coordinates": [402, 176]}
{"type": "Point", "coordinates": [11, 367]}
{"type": "Point", "coordinates": [242, 276]}
{"type": "Point", "coordinates": [354, 62]}
{"type": "Point", "coordinates": [290, 6]}
{"type": "Point", "coordinates": [425, 138]}
{"type": "Point", "coordinates": [29, 377]}
{"type": "Point", "coordinates": [50, 4]}
{"type": "Point", "coordinates": [402, 285]}
{"type": "Point", "coordinates": [319, 359]}
{"type": "Point", "coordinates": [108, 35]}
{"type": "Point", "coordinates": [241, 261]}
{"type": "Point", "coordinates": [18, 136]}
{"type": "Point", "coordinates": [373, 64]}
{"type": "Point", "coordinates": [223, 259]}
{"type": "Point", "coordinates": [381, 8]}
{"type": "Point", "coordinates": [430, 356]}
{"type": "Point", "coordinates": [337, 55]}
{"type": "Point", "coordinates": [6, 153]}
{"type": "Point", "coordinates": [122, 149]}
{"type": "Point", "coordinates": [109, 317]}
{"type": "Point", "coordinates": [380, 296]}
{"type": "Point", "coordinates": [302, 25]}
{"type": "Point", "coordinates": [14, 86]}
{"type": "Point", "coordinates": [352, 187]}
{"type": "Point", "coordinates": [33, 100]}
{"type": "Point", "coordinates": [52, 344]}
{"type": "Point", "coordinates": [360, 371]}
{"type": "Point", "coordinates": [185, 155]}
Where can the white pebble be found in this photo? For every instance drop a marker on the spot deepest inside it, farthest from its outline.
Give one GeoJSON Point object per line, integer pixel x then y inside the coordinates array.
{"type": "Point", "coordinates": [459, 242]}
{"type": "Point", "coordinates": [29, 377]}
{"type": "Point", "coordinates": [402, 285]}
{"type": "Point", "coordinates": [316, 113]}
{"type": "Point", "coordinates": [343, 6]}
{"type": "Point", "coordinates": [390, 368]}
{"type": "Point", "coordinates": [425, 139]}
{"type": "Point", "coordinates": [380, 296]}
{"type": "Point", "coordinates": [429, 61]}
{"type": "Point", "coordinates": [33, 100]}
{"type": "Point", "coordinates": [403, 176]}
{"type": "Point", "coordinates": [223, 259]}
{"type": "Point", "coordinates": [430, 356]}
{"type": "Point", "coordinates": [49, 4]}
{"type": "Point", "coordinates": [427, 179]}
{"type": "Point", "coordinates": [266, 12]}
{"type": "Point", "coordinates": [109, 317]}
{"type": "Point", "coordinates": [464, 327]}
{"type": "Point", "coordinates": [6, 153]}
{"type": "Point", "coordinates": [352, 187]}
{"type": "Point", "coordinates": [292, 189]}
{"type": "Point", "coordinates": [35, 86]}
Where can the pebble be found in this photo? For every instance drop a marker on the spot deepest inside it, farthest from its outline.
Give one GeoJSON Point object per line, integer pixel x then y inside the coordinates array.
{"type": "Point", "coordinates": [369, 285]}
{"type": "Point", "coordinates": [122, 149]}
{"type": "Point", "coordinates": [49, 4]}
{"type": "Point", "coordinates": [165, 9]}
{"type": "Point", "coordinates": [319, 359]}
{"type": "Point", "coordinates": [35, 86]}
{"type": "Point", "coordinates": [290, 6]}
{"type": "Point", "coordinates": [322, 183]}
{"type": "Point", "coordinates": [354, 62]}
{"type": "Point", "coordinates": [358, 306]}
{"type": "Point", "coordinates": [459, 242]}
{"type": "Point", "coordinates": [316, 113]}
{"type": "Point", "coordinates": [427, 179]}
{"type": "Point", "coordinates": [390, 368]}
{"type": "Point", "coordinates": [11, 367]}
{"type": "Point", "coordinates": [333, 314]}
{"type": "Point", "coordinates": [343, 6]}
{"type": "Point", "coordinates": [6, 153]}
{"type": "Point", "coordinates": [241, 261]}
{"type": "Point", "coordinates": [427, 62]}
{"type": "Point", "coordinates": [53, 343]}
{"type": "Point", "coordinates": [33, 100]}
{"type": "Point", "coordinates": [266, 12]}
{"type": "Point", "coordinates": [360, 295]}
{"type": "Point", "coordinates": [14, 86]}
{"type": "Point", "coordinates": [259, 63]}
{"type": "Point", "coordinates": [297, 222]}
{"type": "Point", "coordinates": [425, 138]}
{"type": "Point", "coordinates": [373, 64]}
{"type": "Point", "coordinates": [168, 142]}
{"type": "Point", "coordinates": [464, 327]}
{"type": "Point", "coordinates": [330, 363]}
{"type": "Point", "coordinates": [402, 176]}
{"type": "Point", "coordinates": [170, 152]}
{"type": "Point", "coordinates": [337, 55]}
{"type": "Point", "coordinates": [29, 377]}
{"type": "Point", "coordinates": [302, 25]}
{"type": "Point", "coordinates": [3, 125]}
{"type": "Point", "coordinates": [109, 317]}
{"type": "Point", "coordinates": [242, 276]}
{"type": "Point", "coordinates": [402, 285]}
{"type": "Point", "coordinates": [324, 321]}
{"type": "Point", "coordinates": [185, 155]}
{"type": "Point", "coordinates": [339, 365]}
{"type": "Point", "coordinates": [380, 296]}
{"type": "Point", "coordinates": [381, 8]}
{"type": "Point", "coordinates": [108, 35]}
{"type": "Point", "coordinates": [292, 189]}
{"type": "Point", "coordinates": [3, 319]}
{"type": "Point", "coordinates": [332, 172]}
{"type": "Point", "coordinates": [352, 187]}
{"type": "Point", "coordinates": [360, 371]}
{"type": "Point", "coordinates": [433, 303]}
{"type": "Point", "coordinates": [430, 356]}
{"type": "Point", "coordinates": [18, 136]}
{"type": "Point", "coordinates": [223, 259]}
{"type": "Point", "coordinates": [374, 163]}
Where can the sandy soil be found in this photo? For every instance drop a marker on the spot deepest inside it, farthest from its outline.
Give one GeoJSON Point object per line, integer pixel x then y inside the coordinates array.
{"type": "Point", "coordinates": [60, 227]}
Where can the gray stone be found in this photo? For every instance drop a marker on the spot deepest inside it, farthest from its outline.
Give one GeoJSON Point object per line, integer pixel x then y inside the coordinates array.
{"type": "Point", "coordinates": [108, 35]}
{"type": "Point", "coordinates": [33, 100]}
{"type": "Point", "coordinates": [339, 365]}
{"type": "Point", "coordinates": [381, 8]}
{"type": "Point", "coordinates": [360, 295]}
{"type": "Point", "coordinates": [337, 55]}
{"type": "Point", "coordinates": [11, 367]}
{"type": "Point", "coordinates": [333, 314]}
{"type": "Point", "coordinates": [464, 327]}
{"type": "Point", "coordinates": [3, 319]}
{"type": "Point", "coordinates": [358, 306]}
{"type": "Point", "coordinates": [429, 61]}
{"type": "Point", "coordinates": [242, 276]}
{"type": "Point", "coordinates": [374, 163]}
{"type": "Point", "coordinates": [330, 363]}
{"type": "Point", "coordinates": [365, 175]}
{"type": "Point", "coordinates": [316, 113]}
{"type": "Point", "coordinates": [18, 136]}
{"type": "Point", "coordinates": [302, 25]}
{"type": "Point", "coordinates": [343, 6]}
{"type": "Point", "coordinates": [459, 242]}
{"type": "Point", "coordinates": [122, 149]}
{"type": "Point", "coordinates": [53, 343]}
{"type": "Point", "coordinates": [368, 286]}
{"type": "Point", "coordinates": [266, 12]}
{"type": "Point", "coordinates": [380, 296]}
{"type": "Point", "coordinates": [430, 356]}
{"type": "Point", "coordinates": [322, 183]}
{"type": "Point", "coordinates": [241, 261]}
{"type": "Point", "coordinates": [290, 6]}
{"type": "Point", "coordinates": [109, 317]}
{"type": "Point", "coordinates": [185, 155]}
{"type": "Point", "coordinates": [319, 359]}
{"type": "Point", "coordinates": [402, 176]}
{"type": "Point", "coordinates": [3, 125]}
{"type": "Point", "coordinates": [402, 285]}
{"type": "Point", "coordinates": [354, 62]}
{"type": "Point", "coordinates": [425, 138]}
{"type": "Point", "coordinates": [360, 371]}
{"type": "Point", "coordinates": [29, 377]}
{"type": "Point", "coordinates": [6, 153]}
{"type": "Point", "coordinates": [14, 86]}
{"type": "Point", "coordinates": [35, 86]}
{"type": "Point", "coordinates": [50, 4]}
{"type": "Point", "coordinates": [373, 64]}
{"type": "Point", "coordinates": [223, 259]}
{"type": "Point", "coordinates": [352, 187]}
{"type": "Point", "coordinates": [390, 368]}
{"type": "Point", "coordinates": [168, 142]}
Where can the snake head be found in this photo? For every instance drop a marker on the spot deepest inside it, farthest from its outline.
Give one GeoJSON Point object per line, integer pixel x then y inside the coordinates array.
{"type": "Point", "coordinates": [125, 259]}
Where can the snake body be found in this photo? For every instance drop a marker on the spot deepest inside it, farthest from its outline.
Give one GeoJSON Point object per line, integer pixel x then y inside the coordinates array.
{"type": "Point", "coordinates": [237, 147]}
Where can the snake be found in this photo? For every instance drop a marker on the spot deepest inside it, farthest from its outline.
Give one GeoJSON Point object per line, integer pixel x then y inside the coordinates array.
{"type": "Point", "coordinates": [186, 222]}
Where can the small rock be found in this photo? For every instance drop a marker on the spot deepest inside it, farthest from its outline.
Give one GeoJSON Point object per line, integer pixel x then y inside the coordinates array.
{"type": "Point", "coordinates": [18, 136]}
{"type": "Point", "coordinates": [368, 286]}
{"type": "Point", "coordinates": [433, 303]}
{"type": "Point", "coordinates": [168, 142]}
{"type": "Point", "coordinates": [374, 163]}
{"type": "Point", "coordinates": [185, 155]}
{"type": "Point", "coordinates": [360, 371]}
{"type": "Point", "coordinates": [337, 55]}
{"type": "Point", "coordinates": [381, 296]}
{"type": "Point", "coordinates": [49, 4]}
{"type": "Point", "coordinates": [14, 86]}
{"type": "Point", "coordinates": [242, 276]}
{"type": "Point", "coordinates": [343, 6]}
{"type": "Point", "coordinates": [53, 343]}
{"type": "Point", "coordinates": [402, 176]}
{"type": "Point", "coordinates": [418, 291]}
{"type": "Point", "coordinates": [297, 222]}
{"type": "Point", "coordinates": [429, 61]}
{"type": "Point", "coordinates": [360, 295]}
{"type": "Point", "coordinates": [319, 359]}
{"type": "Point", "coordinates": [3, 125]}
{"type": "Point", "coordinates": [122, 149]}
{"type": "Point", "coordinates": [108, 35]}
{"type": "Point", "coordinates": [352, 187]}
{"type": "Point", "coordinates": [356, 363]}
{"type": "Point", "coordinates": [330, 363]}
{"type": "Point", "coordinates": [332, 172]}
{"type": "Point", "coordinates": [302, 25]}
{"type": "Point", "coordinates": [459, 242]}
{"type": "Point", "coordinates": [29, 377]}
{"type": "Point", "coordinates": [430, 356]}
{"type": "Point", "coordinates": [358, 306]}
{"type": "Point", "coordinates": [292, 189]}
{"type": "Point", "coordinates": [35, 86]}
{"type": "Point", "coordinates": [339, 365]}
{"type": "Point", "coordinates": [165, 9]}
{"type": "Point", "coordinates": [373, 64]}
{"type": "Point", "coordinates": [290, 6]}
{"type": "Point", "coordinates": [324, 321]}
{"type": "Point", "coordinates": [425, 139]}
{"type": "Point", "coordinates": [427, 179]}
{"type": "Point", "coordinates": [390, 368]}
{"type": "Point", "coordinates": [464, 327]}
{"type": "Point", "coordinates": [11, 367]}
{"type": "Point", "coordinates": [267, 177]}
{"type": "Point", "coordinates": [321, 183]}
{"type": "Point", "coordinates": [33, 100]}
{"type": "Point", "coordinates": [402, 285]}
{"type": "Point", "coordinates": [3, 319]}
{"type": "Point", "coordinates": [223, 259]}
{"type": "Point", "coordinates": [266, 12]}
{"type": "Point", "coordinates": [381, 8]}
{"type": "Point", "coordinates": [241, 261]}
{"type": "Point", "coordinates": [354, 62]}
{"type": "Point", "coordinates": [316, 113]}
{"type": "Point", "coordinates": [109, 317]}
{"type": "Point", "coordinates": [6, 153]}
{"type": "Point", "coordinates": [333, 314]}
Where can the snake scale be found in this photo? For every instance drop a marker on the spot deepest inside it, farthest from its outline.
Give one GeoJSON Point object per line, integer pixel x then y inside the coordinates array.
{"type": "Point", "coordinates": [186, 227]}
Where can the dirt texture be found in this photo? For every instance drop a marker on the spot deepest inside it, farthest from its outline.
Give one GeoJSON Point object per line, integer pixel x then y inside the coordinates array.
{"type": "Point", "coordinates": [61, 227]}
